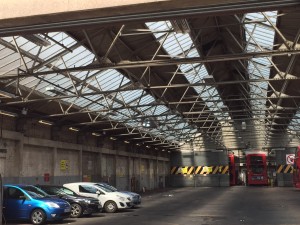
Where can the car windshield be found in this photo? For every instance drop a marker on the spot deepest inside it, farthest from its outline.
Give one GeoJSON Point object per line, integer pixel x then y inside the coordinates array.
{"type": "Point", "coordinates": [106, 189]}
{"type": "Point", "coordinates": [66, 191]}
{"type": "Point", "coordinates": [58, 191]}
{"type": "Point", "coordinates": [35, 192]}
{"type": "Point", "coordinates": [105, 185]}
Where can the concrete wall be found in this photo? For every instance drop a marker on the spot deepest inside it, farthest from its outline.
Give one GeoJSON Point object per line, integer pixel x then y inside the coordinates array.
{"type": "Point", "coordinates": [195, 159]}
{"type": "Point", "coordinates": [31, 160]}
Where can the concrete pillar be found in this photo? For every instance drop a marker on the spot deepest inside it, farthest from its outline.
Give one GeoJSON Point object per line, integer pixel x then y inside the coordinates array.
{"type": "Point", "coordinates": [20, 147]}
{"type": "Point", "coordinates": [128, 172]}
{"type": "Point", "coordinates": [1, 204]}
{"type": "Point", "coordinates": [115, 169]}
{"type": "Point", "coordinates": [156, 176]}
{"type": "Point", "coordinates": [99, 165]}
{"type": "Point", "coordinates": [139, 174]}
{"type": "Point", "coordinates": [54, 172]}
{"type": "Point", "coordinates": [149, 173]}
{"type": "Point", "coordinates": [80, 163]}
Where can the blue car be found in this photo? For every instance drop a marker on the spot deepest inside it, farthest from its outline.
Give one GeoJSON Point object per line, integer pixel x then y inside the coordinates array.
{"type": "Point", "coordinates": [26, 202]}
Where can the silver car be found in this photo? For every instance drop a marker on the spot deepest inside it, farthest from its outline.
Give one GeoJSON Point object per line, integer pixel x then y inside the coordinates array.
{"type": "Point", "coordinates": [135, 197]}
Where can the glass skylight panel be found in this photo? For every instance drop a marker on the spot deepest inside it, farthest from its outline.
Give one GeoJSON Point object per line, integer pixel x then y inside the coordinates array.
{"type": "Point", "coordinates": [160, 109]}
{"type": "Point", "coordinates": [184, 46]}
{"type": "Point", "coordinates": [79, 57]}
{"type": "Point", "coordinates": [110, 80]}
{"type": "Point", "coordinates": [130, 96]}
{"type": "Point", "coordinates": [96, 107]}
{"type": "Point", "coordinates": [147, 99]}
{"type": "Point", "coordinates": [261, 38]}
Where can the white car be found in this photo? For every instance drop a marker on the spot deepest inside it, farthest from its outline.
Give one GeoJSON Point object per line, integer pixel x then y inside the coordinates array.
{"type": "Point", "coordinates": [135, 197]}
{"type": "Point", "coordinates": [110, 200]}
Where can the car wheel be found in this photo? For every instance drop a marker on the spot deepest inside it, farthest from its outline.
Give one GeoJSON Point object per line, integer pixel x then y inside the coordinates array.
{"type": "Point", "coordinates": [110, 207]}
{"type": "Point", "coordinates": [38, 217]}
{"type": "Point", "coordinates": [76, 210]}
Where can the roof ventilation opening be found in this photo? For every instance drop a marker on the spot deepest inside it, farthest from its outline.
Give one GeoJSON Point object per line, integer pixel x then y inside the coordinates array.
{"type": "Point", "coordinates": [181, 26]}
{"type": "Point", "coordinates": [209, 79]}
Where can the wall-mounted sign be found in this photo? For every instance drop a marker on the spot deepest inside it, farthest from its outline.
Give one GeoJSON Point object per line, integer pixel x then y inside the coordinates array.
{"type": "Point", "coordinates": [64, 165]}
{"type": "Point", "coordinates": [142, 168]}
{"type": "Point", "coordinates": [290, 159]}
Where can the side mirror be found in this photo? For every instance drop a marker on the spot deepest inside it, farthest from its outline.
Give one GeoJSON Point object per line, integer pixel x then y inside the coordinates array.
{"type": "Point", "coordinates": [98, 192]}
{"type": "Point", "coordinates": [60, 195]}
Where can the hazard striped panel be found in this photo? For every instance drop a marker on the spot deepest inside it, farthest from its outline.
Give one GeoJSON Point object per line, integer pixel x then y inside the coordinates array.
{"type": "Point", "coordinates": [183, 170]}
{"type": "Point", "coordinates": [285, 169]}
{"type": "Point", "coordinates": [201, 170]}
{"type": "Point", "coordinates": [211, 170]}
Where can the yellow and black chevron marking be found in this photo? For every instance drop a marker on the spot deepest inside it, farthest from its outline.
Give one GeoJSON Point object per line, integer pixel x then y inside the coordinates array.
{"type": "Point", "coordinates": [211, 170]}
{"type": "Point", "coordinates": [199, 170]}
{"type": "Point", "coordinates": [284, 169]}
{"type": "Point", "coordinates": [223, 169]}
{"type": "Point", "coordinates": [182, 170]}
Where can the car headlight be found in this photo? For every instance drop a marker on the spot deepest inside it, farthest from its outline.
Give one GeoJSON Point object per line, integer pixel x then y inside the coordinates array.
{"type": "Point", "coordinates": [121, 198]}
{"type": "Point", "coordinates": [87, 201]}
{"type": "Point", "coordinates": [52, 205]}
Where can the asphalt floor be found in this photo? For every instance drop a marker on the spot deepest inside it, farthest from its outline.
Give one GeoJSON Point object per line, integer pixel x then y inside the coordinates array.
{"type": "Point", "coordinates": [206, 206]}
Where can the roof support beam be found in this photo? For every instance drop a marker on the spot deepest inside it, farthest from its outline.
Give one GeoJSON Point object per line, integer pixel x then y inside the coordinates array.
{"type": "Point", "coordinates": [165, 62]}
{"type": "Point", "coordinates": [65, 14]}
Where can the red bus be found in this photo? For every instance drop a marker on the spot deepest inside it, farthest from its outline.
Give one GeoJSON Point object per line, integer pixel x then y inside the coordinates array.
{"type": "Point", "coordinates": [257, 168]}
{"type": "Point", "coordinates": [296, 173]}
{"type": "Point", "coordinates": [232, 169]}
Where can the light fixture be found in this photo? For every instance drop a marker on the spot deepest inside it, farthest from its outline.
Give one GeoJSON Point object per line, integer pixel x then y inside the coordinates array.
{"type": "Point", "coordinates": [197, 134]}
{"type": "Point", "coordinates": [45, 122]}
{"type": "Point", "coordinates": [147, 146]}
{"type": "Point", "coordinates": [24, 111]}
{"type": "Point", "coordinates": [96, 134]}
{"type": "Point", "coordinates": [55, 90]}
{"type": "Point", "coordinates": [217, 150]}
{"type": "Point", "coordinates": [149, 123]}
{"type": "Point", "coordinates": [278, 149]}
{"type": "Point", "coordinates": [8, 113]}
{"type": "Point", "coordinates": [244, 125]}
{"type": "Point", "coordinates": [73, 129]}
{"type": "Point", "coordinates": [6, 94]}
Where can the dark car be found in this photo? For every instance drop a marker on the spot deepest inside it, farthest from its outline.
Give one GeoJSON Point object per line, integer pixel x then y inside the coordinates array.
{"type": "Point", "coordinates": [26, 202]}
{"type": "Point", "coordinates": [80, 205]}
